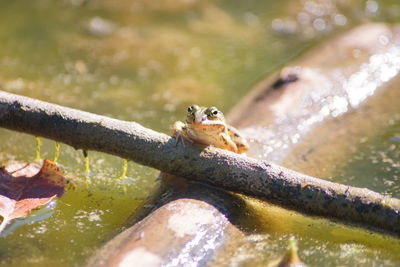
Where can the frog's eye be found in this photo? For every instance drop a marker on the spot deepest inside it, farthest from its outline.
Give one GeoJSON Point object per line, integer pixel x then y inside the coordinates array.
{"type": "Point", "coordinates": [213, 111]}
{"type": "Point", "coordinates": [193, 108]}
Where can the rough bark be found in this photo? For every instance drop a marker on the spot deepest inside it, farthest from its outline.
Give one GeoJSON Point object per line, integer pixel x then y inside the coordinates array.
{"type": "Point", "coordinates": [220, 168]}
{"type": "Point", "coordinates": [192, 239]}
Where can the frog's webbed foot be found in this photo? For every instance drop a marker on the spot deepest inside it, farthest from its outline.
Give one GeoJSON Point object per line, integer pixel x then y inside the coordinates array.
{"type": "Point", "coordinates": [181, 138]}
{"type": "Point", "coordinates": [179, 133]}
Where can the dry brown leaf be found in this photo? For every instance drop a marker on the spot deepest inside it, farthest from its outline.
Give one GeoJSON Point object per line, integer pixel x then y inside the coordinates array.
{"type": "Point", "coordinates": [24, 187]}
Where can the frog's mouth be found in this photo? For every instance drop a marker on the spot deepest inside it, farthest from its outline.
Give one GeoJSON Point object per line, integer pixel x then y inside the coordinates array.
{"type": "Point", "coordinates": [200, 119]}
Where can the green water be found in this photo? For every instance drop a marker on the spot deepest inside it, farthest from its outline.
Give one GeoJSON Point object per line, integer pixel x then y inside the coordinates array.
{"type": "Point", "coordinates": [146, 63]}
{"type": "Point", "coordinates": [376, 160]}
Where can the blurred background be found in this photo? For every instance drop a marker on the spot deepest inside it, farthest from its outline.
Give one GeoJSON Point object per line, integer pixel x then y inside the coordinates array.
{"type": "Point", "coordinates": [146, 61]}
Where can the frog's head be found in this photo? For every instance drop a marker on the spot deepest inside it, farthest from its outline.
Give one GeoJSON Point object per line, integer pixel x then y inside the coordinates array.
{"type": "Point", "coordinates": [214, 114]}
{"type": "Point", "coordinates": [197, 114]}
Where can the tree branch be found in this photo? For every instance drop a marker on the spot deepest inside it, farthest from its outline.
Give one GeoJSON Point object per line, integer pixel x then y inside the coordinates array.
{"type": "Point", "coordinates": [224, 169]}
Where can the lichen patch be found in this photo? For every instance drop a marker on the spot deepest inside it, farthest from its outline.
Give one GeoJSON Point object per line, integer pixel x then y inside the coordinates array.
{"type": "Point", "coordinates": [140, 257]}
{"type": "Point", "coordinates": [191, 218]}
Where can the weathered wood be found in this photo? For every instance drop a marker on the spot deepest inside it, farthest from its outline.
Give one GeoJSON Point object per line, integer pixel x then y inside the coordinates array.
{"type": "Point", "coordinates": [221, 168]}
{"type": "Point", "coordinates": [192, 240]}
{"type": "Point", "coordinates": [329, 81]}
{"type": "Point", "coordinates": [328, 67]}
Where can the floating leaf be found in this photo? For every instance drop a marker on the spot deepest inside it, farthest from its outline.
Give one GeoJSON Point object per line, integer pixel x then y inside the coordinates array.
{"type": "Point", "coordinates": [24, 187]}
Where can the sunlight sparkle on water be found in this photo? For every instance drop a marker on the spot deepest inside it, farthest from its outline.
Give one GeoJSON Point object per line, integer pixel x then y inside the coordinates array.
{"type": "Point", "coordinates": [337, 95]}
{"type": "Point", "coordinates": [380, 68]}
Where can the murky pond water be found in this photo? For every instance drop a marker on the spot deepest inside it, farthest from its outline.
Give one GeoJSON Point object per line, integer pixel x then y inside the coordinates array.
{"type": "Point", "coordinates": [376, 160]}
{"type": "Point", "coordinates": [146, 61]}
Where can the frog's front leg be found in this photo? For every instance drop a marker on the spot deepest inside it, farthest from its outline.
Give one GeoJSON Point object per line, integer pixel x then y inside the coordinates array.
{"type": "Point", "coordinates": [179, 131]}
{"type": "Point", "coordinates": [229, 144]}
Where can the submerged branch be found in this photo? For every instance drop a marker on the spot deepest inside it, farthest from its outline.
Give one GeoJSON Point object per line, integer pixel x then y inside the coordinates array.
{"type": "Point", "coordinates": [224, 169]}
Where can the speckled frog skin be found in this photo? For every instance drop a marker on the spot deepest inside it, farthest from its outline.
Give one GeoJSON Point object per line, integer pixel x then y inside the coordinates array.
{"type": "Point", "coordinates": [207, 126]}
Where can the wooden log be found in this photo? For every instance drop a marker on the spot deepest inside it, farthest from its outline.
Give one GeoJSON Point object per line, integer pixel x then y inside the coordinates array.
{"type": "Point", "coordinates": [184, 232]}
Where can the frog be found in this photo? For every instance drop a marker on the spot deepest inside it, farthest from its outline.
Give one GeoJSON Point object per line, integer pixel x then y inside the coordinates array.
{"type": "Point", "coordinates": [207, 126]}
